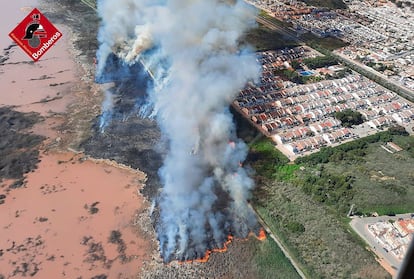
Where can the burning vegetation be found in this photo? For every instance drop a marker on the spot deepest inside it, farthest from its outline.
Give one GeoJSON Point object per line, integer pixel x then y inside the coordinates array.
{"type": "Point", "coordinates": [260, 236]}
{"type": "Point", "coordinates": [195, 76]}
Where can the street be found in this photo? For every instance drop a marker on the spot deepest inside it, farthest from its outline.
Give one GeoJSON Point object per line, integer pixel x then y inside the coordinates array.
{"type": "Point", "coordinates": [360, 225]}
{"type": "Point", "coordinates": [406, 93]}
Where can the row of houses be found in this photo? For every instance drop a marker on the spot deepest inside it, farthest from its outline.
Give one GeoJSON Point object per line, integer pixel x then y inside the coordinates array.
{"type": "Point", "coordinates": [300, 138]}
{"type": "Point", "coordinates": [273, 59]}
{"type": "Point", "coordinates": [316, 142]}
{"type": "Point", "coordinates": [346, 89]}
{"type": "Point", "coordinates": [301, 132]}
{"type": "Point", "coordinates": [286, 108]}
{"type": "Point", "coordinates": [300, 117]}
{"type": "Point", "coordinates": [306, 114]}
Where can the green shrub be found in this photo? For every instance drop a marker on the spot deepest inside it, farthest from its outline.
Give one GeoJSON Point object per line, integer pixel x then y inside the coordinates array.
{"type": "Point", "coordinates": [295, 227]}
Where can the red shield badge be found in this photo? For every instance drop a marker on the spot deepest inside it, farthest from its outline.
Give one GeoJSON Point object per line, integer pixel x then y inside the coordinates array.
{"type": "Point", "coordinates": [35, 34]}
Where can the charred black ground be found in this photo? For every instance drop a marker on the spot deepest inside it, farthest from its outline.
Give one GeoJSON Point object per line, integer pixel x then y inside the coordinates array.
{"type": "Point", "coordinates": [128, 138]}
{"type": "Point", "coordinates": [82, 20]}
{"type": "Point", "coordinates": [18, 149]}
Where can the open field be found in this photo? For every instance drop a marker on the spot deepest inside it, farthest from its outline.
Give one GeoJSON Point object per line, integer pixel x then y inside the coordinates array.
{"type": "Point", "coordinates": [328, 43]}
{"type": "Point", "coordinates": [263, 39]}
{"type": "Point", "coordinates": [271, 262]}
{"type": "Point", "coordinates": [334, 4]}
{"type": "Point", "coordinates": [380, 181]}
{"type": "Point", "coordinates": [315, 230]}
{"type": "Point", "coordinates": [314, 235]}
{"type": "Point", "coordinates": [320, 44]}
{"type": "Point", "coordinates": [385, 182]}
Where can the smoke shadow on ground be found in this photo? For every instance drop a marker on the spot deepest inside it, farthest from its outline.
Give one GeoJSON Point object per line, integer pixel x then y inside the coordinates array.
{"type": "Point", "coordinates": [127, 137]}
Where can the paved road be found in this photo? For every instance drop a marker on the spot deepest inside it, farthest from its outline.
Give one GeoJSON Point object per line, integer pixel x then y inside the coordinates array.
{"type": "Point", "coordinates": [360, 225]}
{"type": "Point", "coordinates": [405, 90]}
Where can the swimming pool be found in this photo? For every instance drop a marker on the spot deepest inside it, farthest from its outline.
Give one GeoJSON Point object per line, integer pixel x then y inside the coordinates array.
{"type": "Point", "coordinates": [306, 73]}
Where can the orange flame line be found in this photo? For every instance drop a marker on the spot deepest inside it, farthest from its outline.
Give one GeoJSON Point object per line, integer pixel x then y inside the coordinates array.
{"type": "Point", "coordinates": [261, 236]}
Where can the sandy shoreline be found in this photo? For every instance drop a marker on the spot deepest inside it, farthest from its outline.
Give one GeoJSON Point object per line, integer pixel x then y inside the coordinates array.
{"type": "Point", "coordinates": [74, 217]}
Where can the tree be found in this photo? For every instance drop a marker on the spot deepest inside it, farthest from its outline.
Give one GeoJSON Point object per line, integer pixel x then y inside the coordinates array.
{"type": "Point", "coordinates": [398, 130]}
{"type": "Point", "coordinates": [349, 117]}
{"type": "Point", "coordinates": [295, 64]}
{"type": "Point", "coordinates": [320, 61]}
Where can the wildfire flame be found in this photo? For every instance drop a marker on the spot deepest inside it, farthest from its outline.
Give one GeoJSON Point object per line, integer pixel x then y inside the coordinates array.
{"type": "Point", "coordinates": [208, 252]}
{"type": "Point", "coordinates": [261, 236]}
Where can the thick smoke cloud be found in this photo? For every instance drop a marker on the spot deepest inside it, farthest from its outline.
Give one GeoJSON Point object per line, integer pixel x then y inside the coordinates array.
{"type": "Point", "coordinates": [192, 50]}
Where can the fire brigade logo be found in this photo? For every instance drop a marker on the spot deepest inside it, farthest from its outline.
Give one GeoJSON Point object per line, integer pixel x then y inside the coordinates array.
{"type": "Point", "coordinates": [35, 34]}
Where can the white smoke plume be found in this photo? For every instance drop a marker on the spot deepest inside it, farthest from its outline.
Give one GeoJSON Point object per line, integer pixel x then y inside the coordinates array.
{"type": "Point", "coordinates": [107, 110]}
{"type": "Point", "coordinates": [196, 45]}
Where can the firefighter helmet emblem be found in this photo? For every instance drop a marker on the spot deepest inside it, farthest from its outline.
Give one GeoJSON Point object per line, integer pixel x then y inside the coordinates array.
{"type": "Point", "coordinates": [34, 31]}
